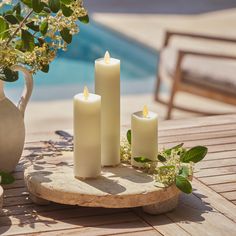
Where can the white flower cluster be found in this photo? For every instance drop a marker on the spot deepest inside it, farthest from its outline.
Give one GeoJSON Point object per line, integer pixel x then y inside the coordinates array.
{"type": "Point", "coordinates": [164, 172]}
{"type": "Point", "coordinates": [44, 53]}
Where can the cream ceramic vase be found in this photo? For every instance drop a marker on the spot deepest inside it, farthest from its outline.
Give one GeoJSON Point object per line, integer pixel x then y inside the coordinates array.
{"type": "Point", "coordinates": [12, 128]}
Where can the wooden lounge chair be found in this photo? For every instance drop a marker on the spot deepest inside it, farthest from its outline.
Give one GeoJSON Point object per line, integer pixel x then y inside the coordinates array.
{"type": "Point", "coordinates": [211, 75]}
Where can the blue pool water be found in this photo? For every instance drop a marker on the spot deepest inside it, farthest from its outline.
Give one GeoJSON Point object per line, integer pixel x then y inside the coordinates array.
{"type": "Point", "coordinates": [74, 69]}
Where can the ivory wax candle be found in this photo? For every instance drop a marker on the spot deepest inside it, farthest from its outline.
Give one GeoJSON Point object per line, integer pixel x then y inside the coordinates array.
{"type": "Point", "coordinates": [144, 134]}
{"type": "Point", "coordinates": [87, 135]}
{"type": "Point", "coordinates": [107, 84]}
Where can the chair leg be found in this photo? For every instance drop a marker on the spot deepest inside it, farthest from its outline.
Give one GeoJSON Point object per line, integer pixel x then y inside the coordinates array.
{"type": "Point", "coordinates": [158, 85]}
{"type": "Point", "coordinates": [171, 103]}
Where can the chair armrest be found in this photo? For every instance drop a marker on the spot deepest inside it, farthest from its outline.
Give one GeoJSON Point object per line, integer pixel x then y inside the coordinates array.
{"type": "Point", "coordinates": [169, 34]}
{"type": "Point", "coordinates": [183, 53]}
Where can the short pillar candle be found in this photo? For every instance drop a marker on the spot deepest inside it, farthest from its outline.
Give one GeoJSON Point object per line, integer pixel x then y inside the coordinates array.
{"type": "Point", "coordinates": [144, 136]}
{"type": "Point", "coordinates": [107, 84]}
{"type": "Point", "coordinates": [87, 135]}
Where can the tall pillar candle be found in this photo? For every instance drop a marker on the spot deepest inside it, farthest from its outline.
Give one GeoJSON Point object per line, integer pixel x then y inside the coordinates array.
{"type": "Point", "coordinates": [87, 135]}
{"type": "Point", "coordinates": [107, 84]}
{"type": "Point", "coordinates": [144, 136]}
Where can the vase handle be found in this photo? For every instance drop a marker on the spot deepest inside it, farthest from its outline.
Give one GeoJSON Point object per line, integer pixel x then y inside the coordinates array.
{"type": "Point", "coordinates": [27, 89]}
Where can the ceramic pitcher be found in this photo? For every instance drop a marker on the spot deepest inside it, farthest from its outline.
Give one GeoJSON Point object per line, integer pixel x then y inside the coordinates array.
{"type": "Point", "coordinates": [12, 128]}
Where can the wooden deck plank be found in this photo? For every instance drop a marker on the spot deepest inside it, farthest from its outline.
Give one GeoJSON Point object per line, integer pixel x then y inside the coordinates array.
{"type": "Point", "coordinates": [230, 195]}
{"type": "Point", "coordinates": [73, 223]}
{"type": "Point", "coordinates": [218, 179]}
{"type": "Point", "coordinates": [198, 121]}
{"type": "Point", "coordinates": [17, 184]}
{"type": "Point", "coordinates": [163, 224]}
{"type": "Point", "coordinates": [16, 192]}
{"type": "Point", "coordinates": [197, 137]}
{"type": "Point", "coordinates": [207, 141]}
{"type": "Point", "coordinates": [228, 187]}
{"type": "Point", "coordinates": [215, 171]}
{"type": "Point", "coordinates": [106, 229]}
{"type": "Point", "coordinates": [197, 130]}
{"type": "Point", "coordinates": [220, 155]}
{"type": "Point", "coordinates": [141, 233]}
{"type": "Point", "coordinates": [16, 201]}
{"type": "Point", "coordinates": [214, 199]}
{"type": "Point", "coordinates": [197, 217]}
{"type": "Point", "coordinates": [56, 214]}
{"type": "Point", "coordinates": [208, 163]}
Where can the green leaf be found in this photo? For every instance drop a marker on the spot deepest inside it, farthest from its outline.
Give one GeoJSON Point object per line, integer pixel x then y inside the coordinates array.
{"type": "Point", "coordinates": [44, 27]}
{"type": "Point", "coordinates": [32, 26]}
{"type": "Point", "coordinates": [19, 17]}
{"type": "Point", "coordinates": [27, 3]}
{"type": "Point", "coordinates": [11, 19]}
{"type": "Point", "coordinates": [66, 2]}
{"type": "Point", "coordinates": [17, 8]}
{"type": "Point", "coordinates": [45, 69]}
{"type": "Point", "coordinates": [65, 34]}
{"type": "Point", "coordinates": [128, 136]}
{"type": "Point", "coordinates": [168, 151]}
{"type": "Point", "coordinates": [8, 75]}
{"type": "Point", "coordinates": [37, 6]}
{"type": "Point", "coordinates": [6, 178]}
{"type": "Point", "coordinates": [84, 19]}
{"type": "Point", "coordinates": [19, 45]}
{"type": "Point", "coordinates": [54, 5]}
{"type": "Point", "coordinates": [161, 158]}
{"type": "Point", "coordinates": [28, 40]}
{"type": "Point", "coordinates": [142, 160]}
{"type": "Point", "coordinates": [184, 171]}
{"type": "Point", "coordinates": [66, 10]}
{"type": "Point", "coordinates": [3, 28]}
{"type": "Point", "coordinates": [194, 154]}
{"type": "Point", "coordinates": [183, 184]}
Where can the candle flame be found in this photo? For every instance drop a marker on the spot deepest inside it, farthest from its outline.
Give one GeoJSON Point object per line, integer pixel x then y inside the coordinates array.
{"type": "Point", "coordinates": [145, 111]}
{"type": "Point", "coordinates": [86, 92]}
{"type": "Point", "coordinates": [107, 57]}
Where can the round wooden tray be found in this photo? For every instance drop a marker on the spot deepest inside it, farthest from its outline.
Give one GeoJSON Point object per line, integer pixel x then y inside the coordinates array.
{"type": "Point", "coordinates": [1, 197]}
{"type": "Point", "coordinates": [51, 179]}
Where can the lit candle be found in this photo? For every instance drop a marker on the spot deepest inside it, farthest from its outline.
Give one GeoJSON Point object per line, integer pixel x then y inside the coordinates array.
{"type": "Point", "coordinates": [107, 84]}
{"type": "Point", "coordinates": [87, 135]}
{"type": "Point", "coordinates": [144, 132]}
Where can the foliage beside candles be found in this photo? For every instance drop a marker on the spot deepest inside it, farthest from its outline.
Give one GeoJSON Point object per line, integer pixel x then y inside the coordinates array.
{"type": "Point", "coordinates": [32, 31]}
{"type": "Point", "coordinates": [6, 178]}
{"type": "Point", "coordinates": [172, 166]}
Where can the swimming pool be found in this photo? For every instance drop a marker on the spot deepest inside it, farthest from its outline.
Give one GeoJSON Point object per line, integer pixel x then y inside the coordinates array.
{"type": "Point", "coordinates": [74, 69]}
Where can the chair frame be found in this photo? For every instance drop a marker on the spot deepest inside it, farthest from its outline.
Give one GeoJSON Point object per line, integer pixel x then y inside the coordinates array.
{"type": "Point", "coordinates": [179, 85]}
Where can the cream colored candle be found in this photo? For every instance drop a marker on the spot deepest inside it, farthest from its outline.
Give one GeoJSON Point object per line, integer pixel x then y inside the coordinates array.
{"type": "Point", "coordinates": [144, 135]}
{"type": "Point", "coordinates": [107, 84]}
{"type": "Point", "coordinates": [87, 135]}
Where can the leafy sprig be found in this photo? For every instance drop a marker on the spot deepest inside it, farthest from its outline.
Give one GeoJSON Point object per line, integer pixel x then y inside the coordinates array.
{"type": "Point", "coordinates": [172, 166]}
{"type": "Point", "coordinates": [6, 178]}
{"type": "Point", "coordinates": [32, 31]}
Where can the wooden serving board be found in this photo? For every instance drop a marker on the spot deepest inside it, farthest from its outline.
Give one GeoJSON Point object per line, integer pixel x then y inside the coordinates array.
{"type": "Point", "coordinates": [51, 179]}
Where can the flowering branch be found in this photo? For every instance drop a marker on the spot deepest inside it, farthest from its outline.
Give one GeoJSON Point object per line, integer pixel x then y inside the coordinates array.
{"type": "Point", "coordinates": [23, 38]}
{"type": "Point", "coordinates": [19, 27]}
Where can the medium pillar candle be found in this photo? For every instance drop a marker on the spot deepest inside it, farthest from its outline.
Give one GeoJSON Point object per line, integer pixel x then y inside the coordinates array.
{"type": "Point", "coordinates": [87, 135]}
{"type": "Point", "coordinates": [107, 84]}
{"type": "Point", "coordinates": [144, 136]}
